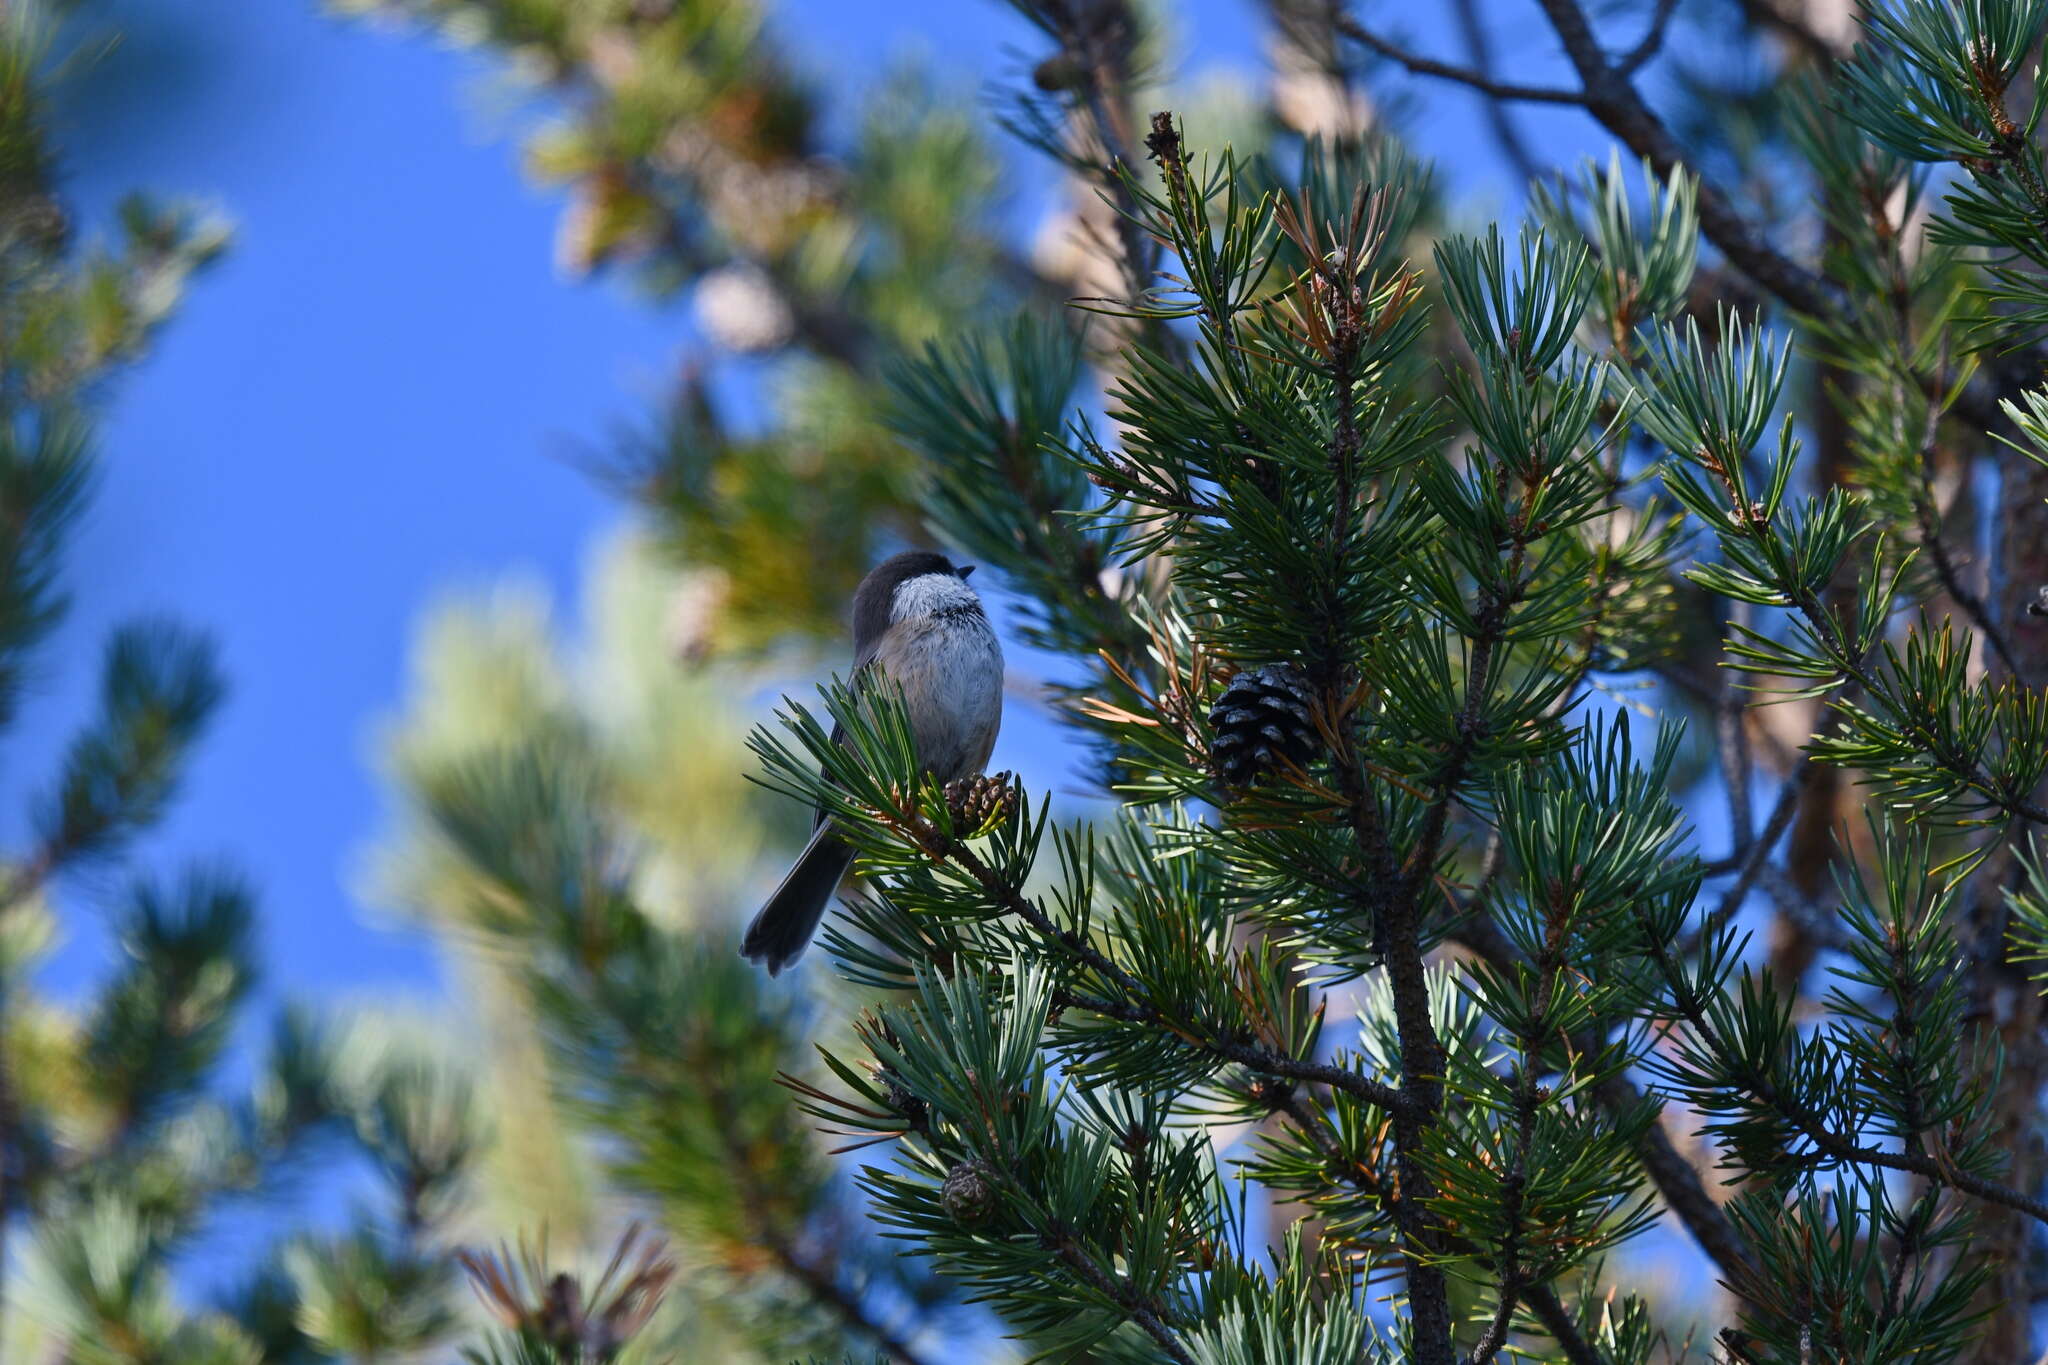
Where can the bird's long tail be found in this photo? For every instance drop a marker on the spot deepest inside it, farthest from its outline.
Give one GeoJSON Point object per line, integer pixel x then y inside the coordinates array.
{"type": "Point", "coordinates": [780, 932]}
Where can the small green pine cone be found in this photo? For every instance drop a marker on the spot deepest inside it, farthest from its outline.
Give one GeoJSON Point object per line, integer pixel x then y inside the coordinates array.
{"type": "Point", "coordinates": [969, 1194]}
{"type": "Point", "coordinates": [1262, 717]}
{"type": "Point", "coordinates": [898, 1098]}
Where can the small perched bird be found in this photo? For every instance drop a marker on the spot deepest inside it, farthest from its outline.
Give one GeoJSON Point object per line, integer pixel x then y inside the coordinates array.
{"type": "Point", "coordinates": [916, 621]}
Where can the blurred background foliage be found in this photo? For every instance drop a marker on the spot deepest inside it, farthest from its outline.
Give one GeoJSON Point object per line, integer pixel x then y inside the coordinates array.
{"type": "Point", "coordinates": [124, 1128]}
{"type": "Point", "coordinates": [570, 818]}
{"type": "Point", "coordinates": [587, 880]}
{"type": "Point", "coordinates": [693, 156]}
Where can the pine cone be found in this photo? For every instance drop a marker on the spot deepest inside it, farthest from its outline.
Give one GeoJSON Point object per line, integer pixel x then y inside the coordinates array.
{"type": "Point", "coordinates": [1262, 717]}
{"type": "Point", "coordinates": [969, 1194]}
{"type": "Point", "coordinates": [976, 803]}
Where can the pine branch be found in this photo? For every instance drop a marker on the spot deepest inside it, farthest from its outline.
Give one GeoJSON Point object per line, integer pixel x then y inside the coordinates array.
{"type": "Point", "coordinates": [848, 1307]}
{"type": "Point", "coordinates": [1096, 41]}
{"type": "Point", "coordinates": [1508, 1267]}
{"type": "Point", "coordinates": [1747, 527]}
{"type": "Point", "coordinates": [1140, 1310]}
{"type": "Point", "coordinates": [1608, 95]}
{"type": "Point", "coordinates": [1395, 900]}
{"type": "Point", "coordinates": [1539, 1297]}
{"type": "Point", "coordinates": [1496, 1334]}
{"type": "Point", "coordinates": [1612, 99]}
{"type": "Point", "coordinates": [1164, 147]}
{"type": "Point", "coordinates": [817, 1280]}
{"type": "Point", "coordinates": [1422, 1054]}
{"type": "Point", "coordinates": [2011, 150]}
{"type": "Point", "coordinates": [1312, 1124]}
{"type": "Point", "coordinates": [1132, 1007]}
{"type": "Point", "coordinates": [596, 1011]}
{"type": "Point", "coordinates": [1557, 1320]}
{"type": "Point", "coordinates": [1828, 1142]}
{"type": "Point", "coordinates": [1401, 912]}
{"type": "Point", "coordinates": [1677, 1180]}
{"type": "Point", "coordinates": [1827, 633]}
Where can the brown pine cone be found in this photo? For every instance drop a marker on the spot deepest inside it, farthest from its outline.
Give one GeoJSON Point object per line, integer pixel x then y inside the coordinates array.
{"type": "Point", "coordinates": [980, 803]}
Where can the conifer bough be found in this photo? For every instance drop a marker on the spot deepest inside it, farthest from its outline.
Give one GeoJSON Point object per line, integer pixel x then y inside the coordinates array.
{"type": "Point", "coordinates": [1461, 499]}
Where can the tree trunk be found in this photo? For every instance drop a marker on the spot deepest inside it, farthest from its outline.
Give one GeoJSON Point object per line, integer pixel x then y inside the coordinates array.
{"type": "Point", "coordinates": [2006, 1001]}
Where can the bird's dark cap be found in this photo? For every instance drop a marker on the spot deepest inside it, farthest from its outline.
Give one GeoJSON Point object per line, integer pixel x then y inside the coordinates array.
{"type": "Point", "coordinates": [877, 592]}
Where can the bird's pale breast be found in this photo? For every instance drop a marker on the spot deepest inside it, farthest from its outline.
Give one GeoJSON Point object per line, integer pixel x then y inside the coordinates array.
{"type": "Point", "coordinates": [950, 668]}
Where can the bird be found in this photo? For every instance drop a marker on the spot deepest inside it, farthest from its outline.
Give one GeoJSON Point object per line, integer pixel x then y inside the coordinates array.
{"type": "Point", "coordinates": [916, 622]}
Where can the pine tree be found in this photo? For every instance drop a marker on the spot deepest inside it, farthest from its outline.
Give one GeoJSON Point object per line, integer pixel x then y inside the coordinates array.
{"type": "Point", "coordinates": [1445, 509]}
{"type": "Point", "coordinates": [1447, 565]}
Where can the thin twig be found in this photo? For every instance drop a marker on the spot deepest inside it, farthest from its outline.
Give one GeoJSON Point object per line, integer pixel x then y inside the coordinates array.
{"type": "Point", "coordinates": [1479, 51]}
{"type": "Point", "coordinates": [1653, 41]}
{"type": "Point", "coordinates": [1679, 1182]}
{"type": "Point", "coordinates": [1759, 851]}
{"type": "Point", "coordinates": [1496, 1334]}
{"type": "Point", "coordinates": [1477, 80]}
{"type": "Point", "coordinates": [1508, 1265]}
{"type": "Point", "coordinates": [1731, 732]}
{"type": "Point", "coordinates": [1927, 513]}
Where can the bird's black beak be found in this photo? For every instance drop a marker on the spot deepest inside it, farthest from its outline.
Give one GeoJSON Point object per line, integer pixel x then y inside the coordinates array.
{"type": "Point", "coordinates": [964, 570]}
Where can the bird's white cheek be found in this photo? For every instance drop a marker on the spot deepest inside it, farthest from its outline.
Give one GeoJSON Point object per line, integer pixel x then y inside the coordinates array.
{"type": "Point", "coordinates": [929, 594]}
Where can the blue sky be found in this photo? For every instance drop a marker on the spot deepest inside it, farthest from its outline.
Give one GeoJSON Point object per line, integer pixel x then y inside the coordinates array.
{"type": "Point", "coordinates": [367, 404]}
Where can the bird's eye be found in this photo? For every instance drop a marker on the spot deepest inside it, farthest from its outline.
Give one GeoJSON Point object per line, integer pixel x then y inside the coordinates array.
{"type": "Point", "coordinates": [964, 570]}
